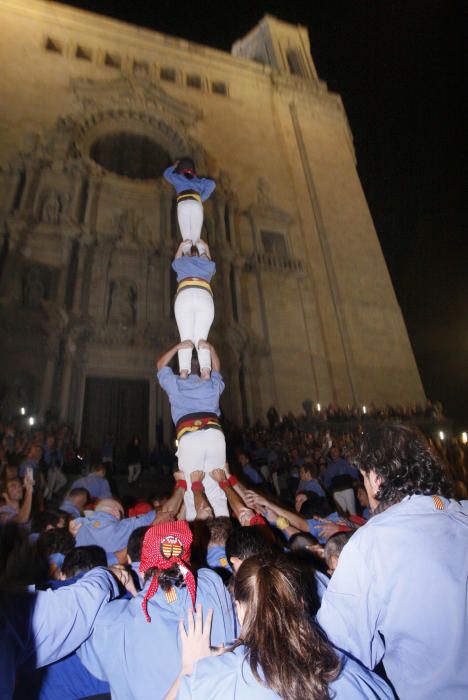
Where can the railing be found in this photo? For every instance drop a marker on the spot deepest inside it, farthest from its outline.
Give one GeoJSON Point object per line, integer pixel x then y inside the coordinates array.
{"type": "Point", "coordinates": [274, 262]}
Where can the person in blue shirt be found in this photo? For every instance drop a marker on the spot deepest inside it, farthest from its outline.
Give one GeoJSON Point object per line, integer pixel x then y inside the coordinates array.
{"type": "Point", "coordinates": [95, 482]}
{"type": "Point", "coordinates": [280, 653]}
{"type": "Point", "coordinates": [251, 474]}
{"type": "Point", "coordinates": [74, 502]}
{"type": "Point", "coordinates": [193, 305]}
{"type": "Point", "coordinates": [195, 411]}
{"type": "Point", "coordinates": [308, 480]}
{"type": "Point", "coordinates": [338, 479]}
{"type": "Point", "coordinates": [192, 191]}
{"type": "Point", "coordinates": [135, 644]}
{"type": "Point", "coordinates": [398, 594]}
{"type": "Point", "coordinates": [108, 528]}
{"type": "Point", "coordinates": [38, 629]}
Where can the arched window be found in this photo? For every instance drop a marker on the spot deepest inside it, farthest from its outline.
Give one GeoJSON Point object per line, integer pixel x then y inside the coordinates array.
{"type": "Point", "coordinates": [132, 155]}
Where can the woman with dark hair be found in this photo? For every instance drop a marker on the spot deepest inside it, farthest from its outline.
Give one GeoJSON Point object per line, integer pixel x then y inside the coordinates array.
{"type": "Point", "coordinates": [281, 652]}
{"type": "Point", "coordinates": [398, 594]}
{"type": "Point", "coordinates": [193, 305]}
{"type": "Point", "coordinates": [192, 191]}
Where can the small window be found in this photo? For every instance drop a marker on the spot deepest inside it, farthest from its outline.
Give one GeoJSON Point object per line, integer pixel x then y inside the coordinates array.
{"type": "Point", "coordinates": [53, 45]}
{"type": "Point", "coordinates": [219, 88]}
{"type": "Point", "coordinates": [140, 68]}
{"type": "Point", "coordinates": [194, 81]}
{"type": "Point", "coordinates": [168, 74]}
{"type": "Point", "coordinates": [295, 64]}
{"type": "Point", "coordinates": [274, 244]}
{"type": "Point", "coordinates": [83, 53]}
{"type": "Point", "coordinates": [112, 60]}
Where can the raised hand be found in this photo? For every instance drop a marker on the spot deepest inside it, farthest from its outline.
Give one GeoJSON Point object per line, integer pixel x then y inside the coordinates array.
{"type": "Point", "coordinates": [195, 641]}
{"type": "Point", "coordinates": [197, 475]}
{"type": "Point", "coordinates": [218, 475]}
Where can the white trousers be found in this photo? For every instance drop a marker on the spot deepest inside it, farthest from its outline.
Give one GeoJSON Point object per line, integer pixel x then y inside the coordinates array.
{"type": "Point", "coordinates": [190, 218]}
{"type": "Point", "coordinates": [194, 314]}
{"type": "Point", "coordinates": [204, 450]}
{"type": "Point", "coordinates": [134, 471]}
{"type": "Point", "coordinates": [346, 500]}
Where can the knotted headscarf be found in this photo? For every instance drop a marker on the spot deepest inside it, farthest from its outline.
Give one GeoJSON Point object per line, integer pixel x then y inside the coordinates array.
{"type": "Point", "coordinates": [164, 545]}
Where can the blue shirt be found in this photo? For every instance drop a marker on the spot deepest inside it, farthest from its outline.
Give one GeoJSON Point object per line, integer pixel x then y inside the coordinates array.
{"type": "Point", "coordinates": [69, 507]}
{"type": "Point", "coordinates": [216, 557]}
{"type": "Point", "coordinates": [252, 474]}
{"type": "Point", "coordinates": [398, 595]}
{"type": "Point", "coordinates": [203, 185]}
{"type": "Point", "coordinates": [141, 659]}
{"type": "Point", "coordinates": [97, 486]}
{"type": "Point", "coordinates": [193, 266]}
{"type": "Point", "coordinates": [37, 629]}
{"type": "Point", "coordinates": [229, 677]}
{"type": "Point", "coordinates": [339, 468]}
{"type": "Point", "coordinates": [311, 485]}
{"type": "Point", "coordinates": [316, 525]}
{"type": "Point", "coordinates": [191, 395]}
{"type": "Point", "coordinates": [105, 530]}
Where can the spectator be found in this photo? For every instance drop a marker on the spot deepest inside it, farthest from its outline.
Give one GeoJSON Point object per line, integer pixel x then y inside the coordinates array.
{"type": "Point", "coordinates": [95, 483]}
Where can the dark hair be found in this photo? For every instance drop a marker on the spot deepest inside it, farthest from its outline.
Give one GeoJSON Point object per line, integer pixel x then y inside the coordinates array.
{"type": "Point", "coordinates": [49, 518]}
{"type": "Point", "coordinates": [83, 559]}
{"type": "Point", "coordinates": [245, 542]}
{"type": "Point", "coordinates": [220, 528]}
{"type": "Point", "coordinates": [96, 467]}
{"type": "Point", "coordinates": [79, 492]}
{"type": "Point", "coordinates": [185, 163]}
{"type": "Point", "coordinates": [315, 505]}
{"type": "Point", "coordinates": [284, 646]}
{"type": "Point", "coordinates": [402, 459]}
{"type": "Point", "coordinates": [335, 544]}
{"type": "Point", "coordinates": [168, 578]}
{"type": "Point", "coordinates": [135, 543]}
{"type": "Point", "coordinates": [55, 540]}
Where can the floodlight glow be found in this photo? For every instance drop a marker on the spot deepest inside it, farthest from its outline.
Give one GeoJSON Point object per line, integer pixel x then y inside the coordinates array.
{"type": "Point", "coordinates": [319, 408]}
{"type": "Point", "coordinates": [464, 437]}
{"type": "Point", "coordinates": [441, 434]}
{"type": "Point", "coordinates": [364, 410]}
{"type": "Point", "coordinates": [31, 420]}
{"type": "Point", "coordinates": [23, 411]}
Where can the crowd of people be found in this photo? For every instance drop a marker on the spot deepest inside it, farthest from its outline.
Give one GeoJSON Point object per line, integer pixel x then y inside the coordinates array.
{"type": "Point", "coordinates": [339, 571]}
{"type": "Point", "coordinates": [284, 561]}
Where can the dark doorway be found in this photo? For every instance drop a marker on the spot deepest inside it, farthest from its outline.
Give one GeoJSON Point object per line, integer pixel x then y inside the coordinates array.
{"type": "Point", "coordinates": [115, 406]}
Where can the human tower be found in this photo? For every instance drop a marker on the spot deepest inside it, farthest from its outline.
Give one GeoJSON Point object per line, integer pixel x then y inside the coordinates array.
{"type": "Point", "coordinates": [195, 391]}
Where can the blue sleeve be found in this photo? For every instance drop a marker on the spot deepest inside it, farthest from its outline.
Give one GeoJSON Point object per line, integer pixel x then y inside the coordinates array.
{"type": "Point", "coordinates": [208, 187]}
{"type": "Point", "coordinates": [217, 381]}
{"type": "Point", "coordinates": [350, 609]}
{"type": "Point", "coordinates": [167, 174]}
{"type": "Point", "coordinates": [64, 618]}
{"type": "Point", "coordinates": [142, 520]}
{"type": "Point", "coordinates": [167, 379]}
{"type": "Point", "coordinates": [106, 489]}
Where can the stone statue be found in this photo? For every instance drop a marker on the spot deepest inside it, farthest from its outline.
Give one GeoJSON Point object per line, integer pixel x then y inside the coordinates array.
{"type": "Point", "coordinates": [52, 209]}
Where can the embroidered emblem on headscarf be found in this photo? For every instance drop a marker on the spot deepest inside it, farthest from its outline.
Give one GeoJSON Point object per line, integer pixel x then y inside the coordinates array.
{"type": "Point", "coordinates": [171, 546]}
{"type": "Point", "coordinates": [438, 502]}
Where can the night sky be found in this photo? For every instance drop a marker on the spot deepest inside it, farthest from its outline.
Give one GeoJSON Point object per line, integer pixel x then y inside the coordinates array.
{"type": "Point", "coordinates": [398, 67]}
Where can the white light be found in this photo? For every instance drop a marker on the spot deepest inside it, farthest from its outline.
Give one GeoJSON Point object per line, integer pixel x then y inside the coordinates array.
{"type": "Point", "coordinates": [364, 410]}
{"type": "Point", "coordinates": [176, 442]}
{"type": "Point", "coordinates": [464, 437]}
{"type": "Point", "coordinates": [441, 434]}
{"type": "Point", "coordinates": [319, 408]}
{"type": "Point", "coordinates": [31, 420]}
{"type": "Point", "coordinates": [23, 411]}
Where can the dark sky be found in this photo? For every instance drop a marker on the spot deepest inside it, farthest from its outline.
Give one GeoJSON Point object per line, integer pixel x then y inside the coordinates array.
{"type": "Point", "coordinates": [398, 66]}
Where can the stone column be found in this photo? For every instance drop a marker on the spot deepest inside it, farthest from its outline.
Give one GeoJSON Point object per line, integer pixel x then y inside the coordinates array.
{"type": "Point", "coordinates": [70, 349]}
{"type": "Point", "coordinates": [48, 377]}
{"type": "Point", "coordinates": [77, 292]}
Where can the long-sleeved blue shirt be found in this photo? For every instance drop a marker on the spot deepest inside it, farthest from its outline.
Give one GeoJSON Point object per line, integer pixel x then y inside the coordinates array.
{"type": "Point", "coordinates": [38, 629]}
{"type": "Point", "coordinates": [203, 185]}
{"type": "Point", "coordinates": [105, 530]}
{"type": "Point", "coordinates": [399, 595]}
{"type": "Point", "coordinates": [339, 468]}
{"type": "Point", "coordinates": [191, 395]}
{"type": "Point", "coordinates": [230, 676]}
{"type": "Point", "coordinates": [97, 486]}
{"type": "Point", "coordinates": [141, 659]}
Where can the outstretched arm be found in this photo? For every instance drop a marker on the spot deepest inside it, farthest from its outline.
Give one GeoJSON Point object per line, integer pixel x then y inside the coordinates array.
{"type": "Point", "coordinates": [259, 502]}
{"type": "Point", "coordinates": [234, 500]}
{"type": "Point", "coordinates": [164, 359]}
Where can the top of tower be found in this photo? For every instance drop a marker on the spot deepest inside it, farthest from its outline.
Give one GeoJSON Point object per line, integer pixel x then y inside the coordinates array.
{"type": "Point", "coordinates": [281, 45]}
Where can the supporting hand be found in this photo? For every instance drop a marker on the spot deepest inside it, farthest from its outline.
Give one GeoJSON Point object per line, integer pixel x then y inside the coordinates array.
{"type": "Point", "coordinates": [196, 641]}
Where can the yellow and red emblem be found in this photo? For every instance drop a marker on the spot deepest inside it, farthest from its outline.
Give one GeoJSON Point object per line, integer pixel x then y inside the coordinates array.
{"type": "Point", "coordinates": [171, 546]}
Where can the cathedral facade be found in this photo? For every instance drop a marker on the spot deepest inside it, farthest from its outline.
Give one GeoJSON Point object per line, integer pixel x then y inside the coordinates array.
{"type": "Point", "coordinates": [93, 111]}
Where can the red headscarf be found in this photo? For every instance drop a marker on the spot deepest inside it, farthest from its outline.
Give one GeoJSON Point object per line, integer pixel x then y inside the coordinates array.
{"type": "Point", "coordinates": [164, 545]}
